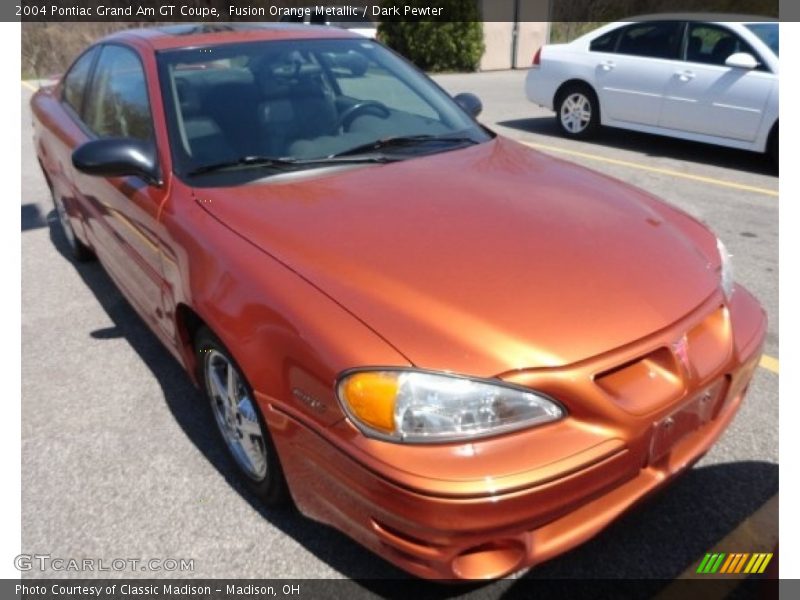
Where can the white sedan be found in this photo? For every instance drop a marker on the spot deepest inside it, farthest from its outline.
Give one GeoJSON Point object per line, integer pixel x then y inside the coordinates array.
{"type": "Point", "coordinates": [707, 81]}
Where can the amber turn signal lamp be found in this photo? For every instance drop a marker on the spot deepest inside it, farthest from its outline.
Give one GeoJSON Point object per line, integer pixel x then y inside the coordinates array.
{"type": "Point", "coordinates": [371, 398]}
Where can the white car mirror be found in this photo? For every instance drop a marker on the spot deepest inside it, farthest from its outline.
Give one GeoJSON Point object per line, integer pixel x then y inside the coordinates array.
{"type": "Point", "coordinates": [742, 60]}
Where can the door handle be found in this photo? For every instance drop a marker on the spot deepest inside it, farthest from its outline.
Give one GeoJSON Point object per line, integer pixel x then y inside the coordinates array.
{"type": "Point", "coordinates": [685, 75]}
{"type": "Point", "coordinates": [607, 65]}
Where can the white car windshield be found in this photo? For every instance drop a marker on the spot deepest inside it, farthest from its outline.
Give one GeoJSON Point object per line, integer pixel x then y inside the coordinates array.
{"type": "Point", "coordinates": [767, 32]}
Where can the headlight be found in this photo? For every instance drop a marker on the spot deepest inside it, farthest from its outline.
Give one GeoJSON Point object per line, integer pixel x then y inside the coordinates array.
{"type": "Point", "coordinates": [726, 269]}
{"type": "Point", "coordinates": [415, 406]}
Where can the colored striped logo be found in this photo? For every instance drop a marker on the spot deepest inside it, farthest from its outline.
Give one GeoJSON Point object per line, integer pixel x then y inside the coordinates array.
{"type": "Point", "coordinates": [729, 563]}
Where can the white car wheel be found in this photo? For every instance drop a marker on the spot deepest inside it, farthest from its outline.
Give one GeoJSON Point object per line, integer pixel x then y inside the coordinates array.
{"type": "Point", "coordinates": [578, 111]}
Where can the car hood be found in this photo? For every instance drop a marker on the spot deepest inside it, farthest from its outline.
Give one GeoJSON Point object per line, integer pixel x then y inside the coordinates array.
{"type": "Point", "coordinates": [485, 259]}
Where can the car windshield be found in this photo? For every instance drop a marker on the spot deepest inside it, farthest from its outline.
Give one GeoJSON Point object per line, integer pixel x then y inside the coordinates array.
{"type": "Point", "coordinates": [272, 106]}
{"type": "Point", "coordinates": [767, 32]}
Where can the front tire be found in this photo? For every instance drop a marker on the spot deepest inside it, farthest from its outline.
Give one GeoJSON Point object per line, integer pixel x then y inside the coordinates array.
{"type": "Point", "coordinates": [239, 420]}
{"type": "Point", "coordinates": [577, 111]}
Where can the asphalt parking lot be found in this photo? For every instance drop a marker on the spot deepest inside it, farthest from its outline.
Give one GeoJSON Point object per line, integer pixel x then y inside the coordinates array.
{"type": "Point", "coordinates": [119, 458]}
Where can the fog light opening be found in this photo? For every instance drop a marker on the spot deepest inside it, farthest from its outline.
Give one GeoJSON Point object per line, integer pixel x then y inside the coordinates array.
{"type": "Point", "coordinates": [490, 560]}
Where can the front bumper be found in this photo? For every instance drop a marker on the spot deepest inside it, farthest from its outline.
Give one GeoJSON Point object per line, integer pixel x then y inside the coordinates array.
{"type": "Point", "coordinates": [483, 510]}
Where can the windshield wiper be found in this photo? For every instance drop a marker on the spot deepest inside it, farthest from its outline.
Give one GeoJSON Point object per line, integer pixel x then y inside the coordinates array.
{"type": "Point", "coordinates": [242, 161]}
{"type": "Point", "coordinates": [405, 141]}
{"type": "Point", "coordinates": [282, 163]}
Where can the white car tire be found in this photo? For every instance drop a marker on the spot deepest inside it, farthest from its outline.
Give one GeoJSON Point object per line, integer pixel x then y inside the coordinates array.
{"type": "Point", "coordinates": [577, 111]}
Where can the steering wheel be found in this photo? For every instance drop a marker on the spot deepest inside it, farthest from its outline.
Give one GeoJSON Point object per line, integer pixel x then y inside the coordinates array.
{"type": "Point", "coordinates": [351, 113]}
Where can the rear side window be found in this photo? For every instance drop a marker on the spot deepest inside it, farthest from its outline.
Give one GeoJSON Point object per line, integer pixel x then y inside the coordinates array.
{"type": "Point", "coordinates": [658, 39]}
{"type": "Point", "coordinates": [75, 81]}
{"type": "Point", "coordinates": [605, 43]}
{"type": "Point", "coordinates": [118, 105]}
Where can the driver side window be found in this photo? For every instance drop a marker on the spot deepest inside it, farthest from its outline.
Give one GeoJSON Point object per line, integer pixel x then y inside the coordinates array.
{"type": "Point", "coordinates": [74, 90]}
{"type": "Point", "coordinates": [118, 104]}
{"type": "Point", "coordinates": [712, 44]}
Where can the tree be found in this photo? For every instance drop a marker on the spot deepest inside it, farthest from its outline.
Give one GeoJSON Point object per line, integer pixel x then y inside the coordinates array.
{"type": "Point", "coordinates": [450, 42]}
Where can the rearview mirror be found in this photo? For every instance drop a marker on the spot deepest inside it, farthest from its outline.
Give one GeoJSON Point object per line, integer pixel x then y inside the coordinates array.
{"type": "Point", "coordinates": [742, 60]}
{"type": "Point", "coordinates": [353, 62]}
{"type": "Point", "coordinates": [118, 157]}
{"type": "Point", "coordinates": [470, 103]}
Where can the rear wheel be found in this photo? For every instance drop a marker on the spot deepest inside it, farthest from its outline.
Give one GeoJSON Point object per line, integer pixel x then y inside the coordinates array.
{"type": "Point", "coordinates": [577, 111]}
{"type": "Point", "coordinates": [79, 251]}
{"type": "Point", "coordinates": [239, 420]}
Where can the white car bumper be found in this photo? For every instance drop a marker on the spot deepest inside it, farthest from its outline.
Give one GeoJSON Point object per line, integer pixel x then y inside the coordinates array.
{"type": "Point", "coordinates": [540, 87]}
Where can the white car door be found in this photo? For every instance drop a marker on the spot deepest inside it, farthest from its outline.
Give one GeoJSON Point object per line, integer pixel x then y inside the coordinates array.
{"type": "Point", "coordinates": [633, 69]}
{"type": "Point", "coordinates": [707, 97]}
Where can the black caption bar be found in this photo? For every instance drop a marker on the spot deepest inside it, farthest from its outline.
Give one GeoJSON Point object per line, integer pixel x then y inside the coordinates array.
{"type": "Point", "coordinates": [221, 11]}
{"type": "Point", "coordinates": [234, 589]}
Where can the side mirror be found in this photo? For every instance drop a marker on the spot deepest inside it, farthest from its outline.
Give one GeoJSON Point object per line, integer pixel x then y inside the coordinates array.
{"type": "Point", "coordinates": [470, 103]}
{"type": "Point", "coordinates": [118, 157]}
{"type": "Point", "coordinates": [742, 60]}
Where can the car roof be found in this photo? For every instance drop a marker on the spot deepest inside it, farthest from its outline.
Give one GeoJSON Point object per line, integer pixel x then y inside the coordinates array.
{"type": "Point", "coordinates": [190, 35]}
{"type": "Point", "coordinates": [728, 18]}
{"type": "Point", "coordinates": [696, 16]}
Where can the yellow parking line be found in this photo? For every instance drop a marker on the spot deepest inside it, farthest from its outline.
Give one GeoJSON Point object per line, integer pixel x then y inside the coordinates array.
{"type": "Point", "coordinates": [756, 533]}
{"type": "Point", "coordinates": [659, 170]}
{"type": "Point", "coordinates": [769, 363]}
{"type": "Point", "coordinates": [29, 85]}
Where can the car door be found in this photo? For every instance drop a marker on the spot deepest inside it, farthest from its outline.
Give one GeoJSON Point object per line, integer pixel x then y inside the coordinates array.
{"type": "Point", "coordinates": [57, 140]}
{"type": "Point", "coordinates": [707, 97]}
{"type": "Point", "coordinates": [632, 68]}
{"type": "Point", "coordinates": [123, 211]}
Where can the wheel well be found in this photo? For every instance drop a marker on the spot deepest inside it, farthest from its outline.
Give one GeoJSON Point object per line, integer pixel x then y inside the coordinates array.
{"type": "Point", "coordinates": [188, 323]}
{"type": "Point", "coordinates": [570, 83]}
{"type": "Point", "coordinates": [773, 132]}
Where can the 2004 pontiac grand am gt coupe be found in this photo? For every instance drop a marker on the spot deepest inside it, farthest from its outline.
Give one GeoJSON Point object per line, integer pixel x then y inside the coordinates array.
{"type": "Point", "coordinates": [464, 354]}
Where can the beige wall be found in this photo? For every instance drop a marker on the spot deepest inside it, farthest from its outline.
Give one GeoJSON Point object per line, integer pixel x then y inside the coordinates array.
{"type": "Point", "coordinates": [498, 35]}
{"type": "Point", "coordinates": [499, 39]}
{"type": "Point", "coordinates": [532, 36]}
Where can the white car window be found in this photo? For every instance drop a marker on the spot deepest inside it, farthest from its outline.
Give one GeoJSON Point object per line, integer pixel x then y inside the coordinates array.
{"type": "Point", "coordinates": [657, 39]}
{"type": "Point", "coordinates": [768, 33]}
{"type": "Point", "coordinates": [713, 44]}
{"type": "Point", "coordinates": [606, 42]}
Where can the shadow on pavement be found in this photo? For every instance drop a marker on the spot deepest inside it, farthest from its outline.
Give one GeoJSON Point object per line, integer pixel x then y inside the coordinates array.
{"type": "Point", "coordinates": [188, 407]}
{"type": "Point", "coordinates": [657, 146]}
{"type": "Point", "coordinates": [659, 540]}
{"type": "Point", "coordinates": [674, 529]}
{"type": "Point", "coordinates": [32, 217]}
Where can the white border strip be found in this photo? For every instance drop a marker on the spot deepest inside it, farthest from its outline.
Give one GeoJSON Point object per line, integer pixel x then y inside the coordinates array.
{"type": "Point", "coordinates": [789, 296]}
{"type": "Point", "coordinates": [10, 301]}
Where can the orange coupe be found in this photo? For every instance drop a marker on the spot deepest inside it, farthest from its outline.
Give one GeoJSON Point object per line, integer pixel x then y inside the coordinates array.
{"type": "Point", "coordinates": [466, 355]}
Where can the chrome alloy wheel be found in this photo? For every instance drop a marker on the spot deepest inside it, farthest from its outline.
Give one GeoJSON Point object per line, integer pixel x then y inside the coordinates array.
{"type": "Point", "coordinates": [236, 415]}
{"type": "Point", "coordinates": [576, 112]}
